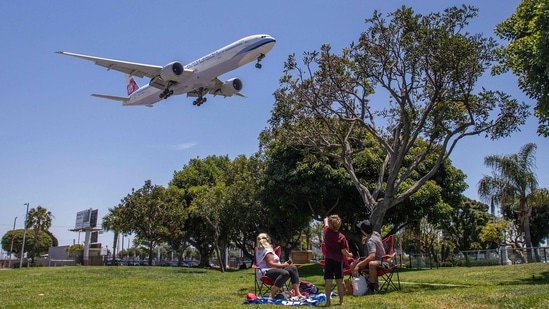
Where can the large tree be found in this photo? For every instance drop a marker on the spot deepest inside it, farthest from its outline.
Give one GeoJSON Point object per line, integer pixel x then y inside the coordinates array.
{"type": "Point", "coordinates": [464, 227]}
{"type": "Point", "coordinates": [527, 54]}
{"type": "Point", "coordinates": [538, 201]}
{"type": "Point", "coordinates": [43, 242]}
{"type": "Point", "coordinates": [39, 219]}
{"type": "Point", "coordinates": [175, 222]}
{"type": "Point", "coordinates": [195, 180]}
{"type": "Point", "coordinates": [222, 202]}
{"type": "Point", "coordinates": [511, 186]}
{"type": "Point", "coordinates": [148, 211]}
{"type": "Point", "coordinates": [243, 208]}
{"type": "Point", "coordinates": [425, 70]}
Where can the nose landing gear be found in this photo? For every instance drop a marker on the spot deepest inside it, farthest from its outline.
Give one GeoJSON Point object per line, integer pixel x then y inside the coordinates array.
{"type": "Point", "coordinates": [258, 64]}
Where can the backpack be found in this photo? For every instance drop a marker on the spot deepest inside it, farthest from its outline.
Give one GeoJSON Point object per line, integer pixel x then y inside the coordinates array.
{"type": "Point", "coordinates": [307, 287]}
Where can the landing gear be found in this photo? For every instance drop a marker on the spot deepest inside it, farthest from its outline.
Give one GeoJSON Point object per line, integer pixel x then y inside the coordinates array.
{"type": "Point", "coordinates": [200, 101]}
{"type": "Point", "coordinates": [166, 93]}
{"type": "Point", "coordinates": [258, 64]}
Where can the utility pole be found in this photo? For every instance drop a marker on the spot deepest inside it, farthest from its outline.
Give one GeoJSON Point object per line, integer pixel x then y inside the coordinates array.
{"type": "Point", "coordinates": [12, 237]}
{"type": "Point", "coordinates": [24, 236]}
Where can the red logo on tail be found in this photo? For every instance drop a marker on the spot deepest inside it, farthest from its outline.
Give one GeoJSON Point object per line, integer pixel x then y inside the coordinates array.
{"type": "Point", "coordinates": [132, 86]}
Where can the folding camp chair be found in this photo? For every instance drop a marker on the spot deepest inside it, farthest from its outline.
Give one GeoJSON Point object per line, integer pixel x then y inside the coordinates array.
{"type": "Point", "coordinates": [323, 250]}
{"type": "Point", "coordinates": [388, 267]}
{"type": "Point", "coordinates": [347, 265]}
{"type": "Point", "coordinates": [263, 284]}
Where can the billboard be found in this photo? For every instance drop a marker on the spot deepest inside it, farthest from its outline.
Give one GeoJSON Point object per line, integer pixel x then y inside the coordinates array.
{"type": "Point", "coordinates": [86, 219]}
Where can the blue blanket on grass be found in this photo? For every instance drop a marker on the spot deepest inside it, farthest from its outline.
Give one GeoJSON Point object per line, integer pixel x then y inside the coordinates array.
{"type": "Point", "coordinates": [311, 300]}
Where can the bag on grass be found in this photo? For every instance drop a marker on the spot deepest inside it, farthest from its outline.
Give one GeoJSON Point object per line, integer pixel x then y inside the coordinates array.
{"type": "Point", "coordinates": [359, 286]}
{"type": "Point", "coordinates": [307, 287]}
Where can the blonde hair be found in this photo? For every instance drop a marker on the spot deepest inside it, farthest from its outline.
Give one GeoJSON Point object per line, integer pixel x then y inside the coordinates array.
{"type": "Point", "coordinates": [264, 241]}
{"type": "Point", "coordinates": [334, 222]}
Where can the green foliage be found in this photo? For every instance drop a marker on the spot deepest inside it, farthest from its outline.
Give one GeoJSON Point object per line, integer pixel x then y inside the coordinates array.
{"type": "Point", "coordinates": [465, 225]}
{"type": "Point", "coordinates": [222, 201]}
{"type": "Point", "coordinates": [527, 54]}
{"type": "Point", "coordinates": [153, 213]}
{"type": "Point", "coordinates": [43, 242]}
{"type": "Point", "coordinates": [39, 220]}
{"type": "Point", "coordinates": [75, 250]}
{"type": "Point", "coordinates": [493, 233]}
{"type": "Point", "coordinates": [428, 66]}
{"type": "Point", "coordinates": [511, 185]}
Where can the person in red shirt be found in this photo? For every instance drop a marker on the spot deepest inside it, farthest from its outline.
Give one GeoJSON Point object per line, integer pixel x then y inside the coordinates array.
{"type": "Point", "coordinates": [337, 249]}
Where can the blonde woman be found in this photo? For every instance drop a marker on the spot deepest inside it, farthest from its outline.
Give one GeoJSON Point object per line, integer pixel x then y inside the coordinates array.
{"type": "Point", "coordinates": [269, 264]}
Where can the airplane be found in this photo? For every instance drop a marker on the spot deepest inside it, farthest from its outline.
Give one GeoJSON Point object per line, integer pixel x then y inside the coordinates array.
{"type": "Point", "coordinates": [196, 79]}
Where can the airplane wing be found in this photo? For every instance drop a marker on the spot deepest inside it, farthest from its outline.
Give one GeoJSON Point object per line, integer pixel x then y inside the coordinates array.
{"type": "Point", "coordinates": [132, 68]}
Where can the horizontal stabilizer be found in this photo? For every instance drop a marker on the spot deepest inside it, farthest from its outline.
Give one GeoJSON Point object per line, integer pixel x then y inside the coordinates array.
{"type": "Point", "coordinates": [111, 97]}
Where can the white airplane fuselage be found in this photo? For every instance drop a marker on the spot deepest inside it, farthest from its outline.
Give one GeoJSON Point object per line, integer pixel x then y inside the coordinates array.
{"type": "Point", "coordinates": [209, 67]}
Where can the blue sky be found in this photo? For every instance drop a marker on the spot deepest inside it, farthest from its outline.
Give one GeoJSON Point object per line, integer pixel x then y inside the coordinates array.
{"type": "Point", "coordinates": [68, 151]}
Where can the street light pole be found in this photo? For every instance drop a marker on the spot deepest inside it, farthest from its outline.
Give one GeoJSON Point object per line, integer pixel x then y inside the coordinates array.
{"type": "Point", "coordinates": [24, 236]}
{"type": "Point", "coordinates": [12, 237]}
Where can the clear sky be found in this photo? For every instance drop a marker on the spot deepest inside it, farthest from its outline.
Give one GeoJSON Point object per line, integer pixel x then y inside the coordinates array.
{"type": "Point", "coordinates": [68, 151]}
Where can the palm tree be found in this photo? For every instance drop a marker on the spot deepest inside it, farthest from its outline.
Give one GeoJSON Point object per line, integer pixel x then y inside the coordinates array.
{"type": "Point", "coordinates": [39, 219]}
{"type": "Point", "coordinates": [511, 184]}
{"type": "Point", "coordinates": [113, 222]}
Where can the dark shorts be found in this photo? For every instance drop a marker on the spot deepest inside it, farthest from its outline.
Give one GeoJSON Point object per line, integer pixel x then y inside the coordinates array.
{"type": "Point", "coordinates": [333, 269]}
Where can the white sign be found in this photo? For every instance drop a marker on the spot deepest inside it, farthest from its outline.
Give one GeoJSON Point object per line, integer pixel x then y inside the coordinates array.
{"type": "Point", "coordinates": [83, 219]}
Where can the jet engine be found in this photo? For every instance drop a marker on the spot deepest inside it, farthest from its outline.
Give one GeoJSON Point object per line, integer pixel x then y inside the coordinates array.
{"type": "Point", "coordinates": [172, 71]}
{"type": "Point", "coordinates": [230, 87]}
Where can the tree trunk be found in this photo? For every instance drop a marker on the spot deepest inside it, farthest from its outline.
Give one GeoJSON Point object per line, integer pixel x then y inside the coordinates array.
{"type": "Point", "coordinates": [220, 258]}
{"type": "Point", "coordinates": [378, 212]}
{"type": "Point", "coordinates": [34, 246]}
{"type": "Point", "coordinates": [114, 244]}
{"type": "Point", "coordinates": [528, 239]}
{"type": "Point", "coordinates": [204, 256]}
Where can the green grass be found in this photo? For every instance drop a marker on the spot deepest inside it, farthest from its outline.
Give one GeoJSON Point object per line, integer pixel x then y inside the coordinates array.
{"type": "Point", "coordinates": [172, 287]}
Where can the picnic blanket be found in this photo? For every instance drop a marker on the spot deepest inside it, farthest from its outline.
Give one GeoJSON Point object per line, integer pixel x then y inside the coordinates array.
{"type": "Point", "coordinates": [311, 300]}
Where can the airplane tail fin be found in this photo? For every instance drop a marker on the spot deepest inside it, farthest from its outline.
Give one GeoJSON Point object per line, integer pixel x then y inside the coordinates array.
{"type": "Point", "coordinates": [131, 85]}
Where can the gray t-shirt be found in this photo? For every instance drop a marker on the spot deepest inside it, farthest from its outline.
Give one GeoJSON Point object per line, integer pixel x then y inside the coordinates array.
{"type": "Point", "coordinates": [374, 244]}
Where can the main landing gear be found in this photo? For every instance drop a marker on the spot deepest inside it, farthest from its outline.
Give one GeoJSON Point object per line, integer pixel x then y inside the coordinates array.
{"type": "Point", "coordinates": [200, 100]}
{"type": "Point", "coordinates": [166, 93]}
{"type": "Point", "coordinates": [258, 64]}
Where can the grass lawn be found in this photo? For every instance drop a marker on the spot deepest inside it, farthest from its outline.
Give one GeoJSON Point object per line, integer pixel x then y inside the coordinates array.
{"type": "Point", "coordinates": [516, 286]}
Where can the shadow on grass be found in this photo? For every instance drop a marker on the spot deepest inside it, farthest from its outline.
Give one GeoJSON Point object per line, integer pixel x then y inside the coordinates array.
{"type": "Point", "coordinates": [193, 270]}
{"type": "Point", "coordinates": [541, 278]}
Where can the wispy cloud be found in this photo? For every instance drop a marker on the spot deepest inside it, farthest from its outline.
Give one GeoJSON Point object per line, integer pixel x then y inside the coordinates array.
{"type": "Point", "coordinates": [185, 146]}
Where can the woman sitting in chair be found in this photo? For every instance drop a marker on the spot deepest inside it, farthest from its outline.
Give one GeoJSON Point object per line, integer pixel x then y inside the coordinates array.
{"type": "Point", "coordinates": [269, 263]}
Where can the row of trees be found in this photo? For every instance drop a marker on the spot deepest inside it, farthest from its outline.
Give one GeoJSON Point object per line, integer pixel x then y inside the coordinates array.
{"type": "Point", "coordinates": [214, 203]}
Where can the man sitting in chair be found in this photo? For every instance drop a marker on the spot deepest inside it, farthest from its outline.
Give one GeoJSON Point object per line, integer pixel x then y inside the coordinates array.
{"type": "Point", "coordinates": [373, 247]}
